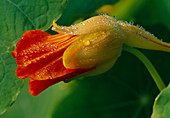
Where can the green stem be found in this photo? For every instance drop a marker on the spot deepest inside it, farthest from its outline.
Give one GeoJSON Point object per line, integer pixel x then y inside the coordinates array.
{"type": "Point", "coordinates": [148, 65]}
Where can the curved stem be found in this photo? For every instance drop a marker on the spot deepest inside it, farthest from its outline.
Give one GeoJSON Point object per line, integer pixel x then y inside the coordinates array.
{"type": "Point", "coordinates": [148, 65]}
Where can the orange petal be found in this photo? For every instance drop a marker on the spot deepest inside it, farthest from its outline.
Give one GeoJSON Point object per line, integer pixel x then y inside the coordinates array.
{"type": "Point", "coordinates": [38, 51]}
{"type": "Point", "coordinates": [37, 86]}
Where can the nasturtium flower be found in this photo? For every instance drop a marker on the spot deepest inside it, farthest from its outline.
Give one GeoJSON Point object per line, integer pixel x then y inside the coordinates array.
{"type": "Point", "coordinates": [84, 49]}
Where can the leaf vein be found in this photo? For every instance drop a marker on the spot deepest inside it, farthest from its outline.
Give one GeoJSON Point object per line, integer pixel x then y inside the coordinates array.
{"type": "Point", "coordinates": [29, 19]}
{"type": "Point", "coordinates": [3, 75]}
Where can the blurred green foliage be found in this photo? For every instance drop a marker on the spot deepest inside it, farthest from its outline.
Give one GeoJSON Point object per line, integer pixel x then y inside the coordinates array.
{"type": "Point", "coordinates": [127, 90]}
{"type": "Point", "coordinates": [77, 9]}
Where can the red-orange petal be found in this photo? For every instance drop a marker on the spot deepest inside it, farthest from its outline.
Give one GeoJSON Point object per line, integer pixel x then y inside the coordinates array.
{"type": "Point", "coordinates": [37, 86]}
{"type": "Point", "coordinates": [37, 51]}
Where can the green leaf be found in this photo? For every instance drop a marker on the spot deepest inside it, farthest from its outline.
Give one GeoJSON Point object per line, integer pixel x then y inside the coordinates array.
{"type": "Point", "coordinates": [161, 106]}
{"type": "Point", "coordinates": [17, 16]}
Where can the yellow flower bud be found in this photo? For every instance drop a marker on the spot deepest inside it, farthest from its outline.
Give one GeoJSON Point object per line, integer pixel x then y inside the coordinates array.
{"type": "Point", "coordinates": [100, 40]}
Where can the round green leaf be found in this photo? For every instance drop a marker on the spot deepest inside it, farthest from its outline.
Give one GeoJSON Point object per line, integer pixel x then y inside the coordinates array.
{"type": "Point", "coordinates": [17, 16]}
{"type": "Point", "coordinates": [161, 108]}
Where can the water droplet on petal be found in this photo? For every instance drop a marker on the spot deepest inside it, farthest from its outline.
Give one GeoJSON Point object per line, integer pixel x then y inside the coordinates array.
{"type": "Point", "coordinates": [86, 43]}
{"type": "Point", "coordinates": [64, 28]}
{"type": "Point", "coordinates": [53, 28]}
{"type": "Point", "coordinates": [83, 24]}
{"type": "Point", "coordinates": [70, 32]}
